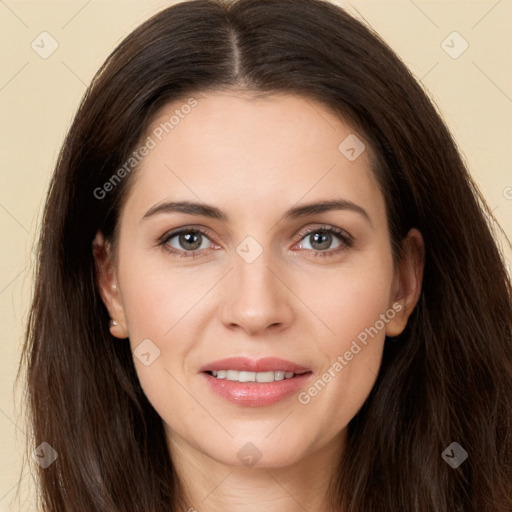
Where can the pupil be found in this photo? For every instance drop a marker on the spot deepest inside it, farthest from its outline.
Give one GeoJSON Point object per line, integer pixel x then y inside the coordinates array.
{"type": "Point", "coordinates": [188, 239]}
{"type": "Point", "coordinates": [319, 237]}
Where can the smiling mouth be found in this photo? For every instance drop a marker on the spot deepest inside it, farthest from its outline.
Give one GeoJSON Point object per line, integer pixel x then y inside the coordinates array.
{"type": "Point", "coordinates": [246, 376]}
{"type": "Point", "coordinates": [280, 380]}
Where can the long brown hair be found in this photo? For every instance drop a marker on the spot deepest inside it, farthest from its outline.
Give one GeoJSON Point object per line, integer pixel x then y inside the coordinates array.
{"type": "Point", "coordinates": [448, 379]}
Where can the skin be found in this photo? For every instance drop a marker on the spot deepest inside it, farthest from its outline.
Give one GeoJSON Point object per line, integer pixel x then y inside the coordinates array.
{"type": "Point", "coordinates": [254, 159]}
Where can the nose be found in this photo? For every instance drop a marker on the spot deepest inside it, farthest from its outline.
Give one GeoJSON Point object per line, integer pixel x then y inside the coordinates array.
{"type": "Point", "coordinates": [258, 298]}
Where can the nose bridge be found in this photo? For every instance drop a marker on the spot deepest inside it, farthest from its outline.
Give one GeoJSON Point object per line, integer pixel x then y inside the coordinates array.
{"type": "Point", "coordinates": [253, 276]}
{"type": "Point", "coordinates": [257, 298]}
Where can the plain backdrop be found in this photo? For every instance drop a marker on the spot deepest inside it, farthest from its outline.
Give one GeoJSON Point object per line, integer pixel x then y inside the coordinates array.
{"type": "Point", "coordinates": [471, 86]}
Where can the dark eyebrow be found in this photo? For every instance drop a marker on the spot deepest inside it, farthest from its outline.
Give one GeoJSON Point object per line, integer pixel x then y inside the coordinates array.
{"type": "Point", "coordinates": [187, 207]}
{"type": "Point", "coordinates": [325, 206]}
{"type": "Point", "coordinates": [293, 213]}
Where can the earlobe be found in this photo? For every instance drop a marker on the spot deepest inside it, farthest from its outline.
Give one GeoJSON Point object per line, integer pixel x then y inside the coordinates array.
{"type": "Point", "coordinates": [409, 279]}
{"type": "Point", "coordinates": [106, 280]}
{"type": "Point", "coordinates": [397, 324]}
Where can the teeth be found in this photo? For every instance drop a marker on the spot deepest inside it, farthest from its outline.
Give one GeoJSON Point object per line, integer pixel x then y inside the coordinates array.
{"type": "Point", "coordinates": [279, 375]}
{"type": "Point", "coordinates": [252, 376]}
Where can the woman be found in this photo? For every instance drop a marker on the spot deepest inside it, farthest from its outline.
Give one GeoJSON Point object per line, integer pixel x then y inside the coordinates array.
{"type": "Point", "coordinates": [266, 281]}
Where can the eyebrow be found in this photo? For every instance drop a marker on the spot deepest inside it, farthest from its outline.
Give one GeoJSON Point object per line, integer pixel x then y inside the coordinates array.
{"type": "Point", "coordinates": [296, 212]}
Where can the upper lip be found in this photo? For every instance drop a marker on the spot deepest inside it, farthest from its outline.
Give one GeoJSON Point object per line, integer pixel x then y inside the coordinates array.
{"type": "Point", "coordinates": [266, 364]}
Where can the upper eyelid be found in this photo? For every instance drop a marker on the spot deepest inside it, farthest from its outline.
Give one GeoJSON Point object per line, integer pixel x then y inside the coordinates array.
{"type": "Point", "coordinates": [333, 229]}
{"type": "Point", "coordinates": [174, 232]}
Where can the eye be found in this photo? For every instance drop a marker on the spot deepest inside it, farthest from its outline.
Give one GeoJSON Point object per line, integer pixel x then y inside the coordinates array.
{"type": "Point", "coordinates": [321, 238]}
{"type": "Point", "coordinates": [186, 242]}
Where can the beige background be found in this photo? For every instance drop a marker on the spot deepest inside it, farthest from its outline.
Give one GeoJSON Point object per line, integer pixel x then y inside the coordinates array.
{"type": "Point", "coordinates": [38, 98]}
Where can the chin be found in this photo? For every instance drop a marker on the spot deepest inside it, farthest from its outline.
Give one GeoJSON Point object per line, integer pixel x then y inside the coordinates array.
{"type": "Point", "coordinates": [259, 452]}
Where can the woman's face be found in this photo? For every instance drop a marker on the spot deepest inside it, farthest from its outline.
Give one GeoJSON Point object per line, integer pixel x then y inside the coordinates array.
{"type": "Point", "coordinates": [265, 279]}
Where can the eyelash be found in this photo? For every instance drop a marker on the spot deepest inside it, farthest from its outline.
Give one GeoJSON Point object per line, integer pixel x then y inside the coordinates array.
{"type": "Point", "coordinates": [345, 238]}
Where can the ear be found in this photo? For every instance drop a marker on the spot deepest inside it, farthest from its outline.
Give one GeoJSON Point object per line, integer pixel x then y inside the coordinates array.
{"type": "Point", "coordinates": [106, 279]}
{"type": "Point", "coordinates": [408, 280]}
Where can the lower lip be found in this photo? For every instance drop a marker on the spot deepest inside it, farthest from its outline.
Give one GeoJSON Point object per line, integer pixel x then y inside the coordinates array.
{"type": "Point", "coordinates": [257, 394]}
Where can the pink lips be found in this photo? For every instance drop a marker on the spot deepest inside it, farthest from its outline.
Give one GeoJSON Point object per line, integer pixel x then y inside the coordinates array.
{"type": "Point", "coordinates": [256, 394]}
{"type": "Point", "coordinates": [266, 364]}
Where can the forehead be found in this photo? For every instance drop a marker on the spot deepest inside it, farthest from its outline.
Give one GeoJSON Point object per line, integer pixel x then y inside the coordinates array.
{"type": "Point", "coordinates": [250, 153]}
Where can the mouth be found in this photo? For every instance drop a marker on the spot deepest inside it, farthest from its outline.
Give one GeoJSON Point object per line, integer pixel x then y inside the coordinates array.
{"type": "Point", "coordinates": [255, 383]}
{"type": "Point", "coordinates": [245, 376]}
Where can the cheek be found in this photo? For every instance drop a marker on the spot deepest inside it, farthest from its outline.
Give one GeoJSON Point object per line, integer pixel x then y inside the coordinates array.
{"type": "Point", "coordinates": [166, 306]}
{"type": "Point", "coordinates": [156, 298]}
{"type": "Point", "coordinates": [150, 308]}
{"type": "Point", "coordinates": [355, 306]}
{"type": "Point", "coordinates": [353, 299]}
{"type": "Point", "coordinates": [158, 307]}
